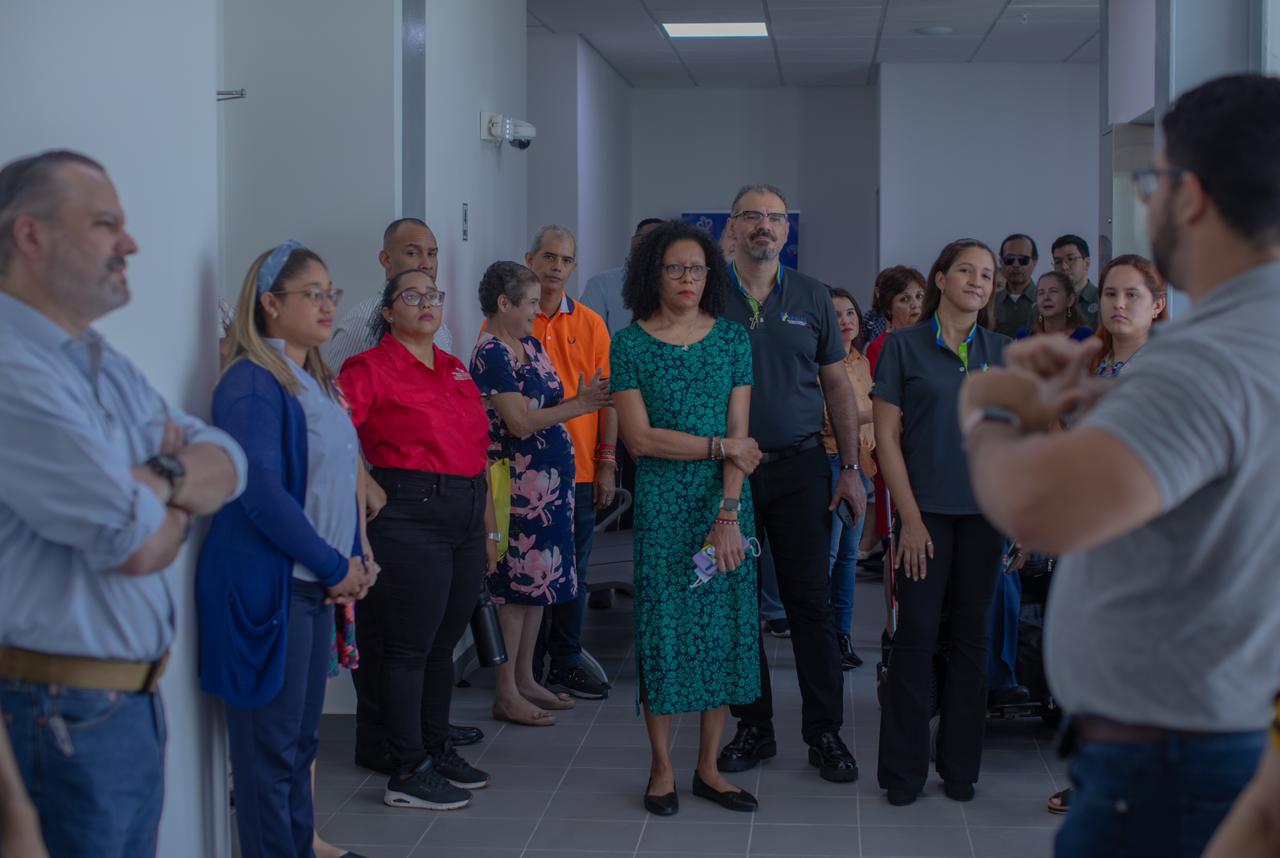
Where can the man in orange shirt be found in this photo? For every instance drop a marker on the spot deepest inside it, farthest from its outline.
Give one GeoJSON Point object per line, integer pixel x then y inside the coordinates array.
{"type": "Point", "coordinates": [577, 341]}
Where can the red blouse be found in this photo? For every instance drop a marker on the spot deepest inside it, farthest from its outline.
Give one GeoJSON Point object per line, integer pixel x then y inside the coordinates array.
{"type": "Point", "coordinates": [415, 418]}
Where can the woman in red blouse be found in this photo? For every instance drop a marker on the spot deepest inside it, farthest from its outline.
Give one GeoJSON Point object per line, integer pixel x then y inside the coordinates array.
{"type": "Point", "coordinates": [424, 432]}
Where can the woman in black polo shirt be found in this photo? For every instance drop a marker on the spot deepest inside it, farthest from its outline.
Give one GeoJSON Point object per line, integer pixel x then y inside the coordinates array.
{"type": "Point", "coordinates": [948, 554]}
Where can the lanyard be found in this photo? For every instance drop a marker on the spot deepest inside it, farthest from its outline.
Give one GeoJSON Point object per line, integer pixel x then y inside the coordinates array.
{"type": "Point", "coordinates": [756, 306]}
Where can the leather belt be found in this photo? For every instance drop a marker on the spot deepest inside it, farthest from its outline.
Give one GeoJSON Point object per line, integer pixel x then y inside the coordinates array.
{"type": "Point", "coordinates": [770, 456]}
{"type": "Point", "coordinates": [74, 671]}
{"type": "Point", "coordinates": [1094, 728]}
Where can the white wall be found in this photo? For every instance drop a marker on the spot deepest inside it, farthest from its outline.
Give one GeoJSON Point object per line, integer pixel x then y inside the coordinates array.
{"type": "Point", "coordinates": [985, 150]}
{"type": "Point", "coordinates": [92, 81]}
{"type": "Point", "coordinates": [552, 76]}
{"type": "Point", "coordinates": [312, 152]}
{"type": "Point", "coordinates": [475, 62]}
{"type": "Point", "coordinates": [1131, 58]}
{"type": "Point", "coordinates": [693, 148]}
{"type": "Point", "coordinates": [604, 165]}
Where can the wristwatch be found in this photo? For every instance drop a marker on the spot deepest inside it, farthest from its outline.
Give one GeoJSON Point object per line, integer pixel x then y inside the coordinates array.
{"type": "Point", "coordinates": [990, 414]}
{"type": "Point", "coordinates": [493, 536]}
{"type": "Point", "coordinates": [730, 504]}
{"type": "Point", "coordinates": [171, 469]}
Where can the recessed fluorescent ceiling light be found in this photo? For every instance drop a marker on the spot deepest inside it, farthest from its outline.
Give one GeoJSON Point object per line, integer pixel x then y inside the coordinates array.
{"type": "Point", "coordinates": [737, 30]}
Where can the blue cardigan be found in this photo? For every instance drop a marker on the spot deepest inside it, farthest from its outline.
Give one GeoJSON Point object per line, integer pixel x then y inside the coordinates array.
{"type": "Point", "coordinates": [246, 563]}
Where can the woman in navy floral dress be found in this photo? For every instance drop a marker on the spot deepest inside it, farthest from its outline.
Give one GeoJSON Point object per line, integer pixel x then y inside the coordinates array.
{"type": "Point", "coordinates": [527, 410]}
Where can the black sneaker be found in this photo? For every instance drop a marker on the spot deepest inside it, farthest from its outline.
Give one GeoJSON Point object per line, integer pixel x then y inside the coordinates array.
{"type": "Point", "coordinates": [577, 682]}
{"type": "Point", "coordinates": [458, 771]}
{"type": "Point", "coordinates": [831, 757]}
{"type": "Point", "coordinates": [778, 628]}
{"type": "Point", "coordinates": [425, 788]}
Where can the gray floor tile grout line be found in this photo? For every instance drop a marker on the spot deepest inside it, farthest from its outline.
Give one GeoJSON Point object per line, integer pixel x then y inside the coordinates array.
{"type": "Point", "coordinates": [973, 850]}
{"type": "Point", "coordinates": [565, 774]}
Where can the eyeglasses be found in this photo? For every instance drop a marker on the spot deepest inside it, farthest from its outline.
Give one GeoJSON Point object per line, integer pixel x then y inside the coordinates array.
{"type": "Point", "coordinates": [1146, 180]}
{"type": "Point", "coordinates": [675, 271]}
{"type": "Point", "coordinates": [412, 298]}
{"type": "Point", "coordinates": [1016, 259]}
{"type": "Point", "coordinates": [754, 217]}
{"type": "Point", "coordinates": [314, 295]}
{"type": "Point", "coordinates": [1064, 261]}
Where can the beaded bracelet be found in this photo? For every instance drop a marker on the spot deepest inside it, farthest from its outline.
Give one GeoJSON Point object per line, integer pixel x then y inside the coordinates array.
{"type": "Point", "coordinates": [729, 521]}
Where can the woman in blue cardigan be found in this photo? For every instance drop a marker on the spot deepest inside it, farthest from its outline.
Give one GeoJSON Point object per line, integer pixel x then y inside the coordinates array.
{"type": "Point", "coordinates": [276, 560]}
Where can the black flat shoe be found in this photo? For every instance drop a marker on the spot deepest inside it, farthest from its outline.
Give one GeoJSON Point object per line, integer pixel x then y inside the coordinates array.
{"type": "Point", "coordinates": [902, 797]}
{"type": "Point", "coordinates": [957, 791]}
{"type": "Point", "coordinates": [739, 799]}
{"type": "Point", "coordinates": [833, 760]}
{"type": "Point", "coordinates": [750, 745]}
{"type": "Point", "coordinates": [661, 805]}
{"type": "Point", "coordinates": [460, 736]}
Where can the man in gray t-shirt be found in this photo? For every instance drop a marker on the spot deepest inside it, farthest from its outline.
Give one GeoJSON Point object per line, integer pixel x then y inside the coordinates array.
{"type": "Point", "coordinates": [1163, 627]}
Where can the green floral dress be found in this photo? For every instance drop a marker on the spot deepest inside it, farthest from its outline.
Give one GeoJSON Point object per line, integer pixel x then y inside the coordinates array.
{"type": "Point", "coordinates": [695, 649]}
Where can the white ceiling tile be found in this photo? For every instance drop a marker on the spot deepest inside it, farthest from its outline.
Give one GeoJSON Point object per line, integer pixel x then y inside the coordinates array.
{"type": "Point", "coordinates": [724, 49]}
{"type": "Point", "coordinates": [835, 51]}
{"type": "Point", "coordinates": [660, 80]}
{"type": "Point", "coordinates": [578, 16]}
{"type": "Point", "coordinates": [1054, 14]}
{"type": "Point", "coordinates": [1090, 52]}
{"type": "Point", "coordinates": [735, 78]}
{"type": "Point", "coordinates": [1032, 43]}
{"type": "Point", "coordinates": [776, 6]}
{"type": "Point", "coordinates": [855, 75]}
{"type": "Point", "coordinates": [918, 49]}
{"type": "Point", "coordinates": [826, 22]}
{"type": "Point", "coordinates": [689, 11]}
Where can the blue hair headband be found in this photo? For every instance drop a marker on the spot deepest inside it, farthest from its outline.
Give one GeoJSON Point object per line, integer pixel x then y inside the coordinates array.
{"type": "Point", "coordinates": [275, 261]}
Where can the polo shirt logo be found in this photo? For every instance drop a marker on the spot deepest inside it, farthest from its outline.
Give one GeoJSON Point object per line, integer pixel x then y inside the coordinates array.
{"type": "Point", "coordinates": [795, 320]}
{"type": "Point", "coordinates": [460, 374]}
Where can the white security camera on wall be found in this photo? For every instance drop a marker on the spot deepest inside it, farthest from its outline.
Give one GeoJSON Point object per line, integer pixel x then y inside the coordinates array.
{"type": "Point", "coordinates": [494, 127]}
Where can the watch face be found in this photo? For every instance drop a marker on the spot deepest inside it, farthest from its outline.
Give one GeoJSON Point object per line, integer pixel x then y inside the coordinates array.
{"type": "Point", "coordinates": [730, 504]}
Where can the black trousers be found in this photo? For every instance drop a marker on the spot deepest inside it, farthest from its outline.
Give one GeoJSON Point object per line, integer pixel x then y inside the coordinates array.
{"type": "Point", "coordinates": [791, 499]}
{"type": "Point", "coordinates": [961, 580]}
{"type": "Point", "coordinates": [429, 540]}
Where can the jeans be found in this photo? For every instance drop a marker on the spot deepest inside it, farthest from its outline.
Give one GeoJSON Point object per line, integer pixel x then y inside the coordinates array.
{"type": "Point", "coordinates": [273, 746]}
{"type": "Point", "coordinates": [93, 762]}
{"type": "Point", "coordinates": [429, 540]}
{"type": "Point", "coordinates": [844, 555]}
{"type": "Point", "coordinates": [1005, 607]}
{"type": "Point", "coordinates": [1163, 799]}
{"type": "Point", "coordinates": [791, 499]}
{"type": "Point", "coordinates": [564, 633]}
{"type": "Point", "coordinates": [960, 579]}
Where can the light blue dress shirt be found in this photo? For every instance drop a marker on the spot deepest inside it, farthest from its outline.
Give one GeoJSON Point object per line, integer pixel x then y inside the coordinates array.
{"type": "Point", "coordinates": [603, 293]}
{"type": "Point", "coordinates": [332, 457]}
{"type": "Point", "coordinates": [75, 418]}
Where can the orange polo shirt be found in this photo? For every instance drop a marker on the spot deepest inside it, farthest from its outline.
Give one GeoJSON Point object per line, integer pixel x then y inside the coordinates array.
{"type": "Point", "coordinates": [577, 341]}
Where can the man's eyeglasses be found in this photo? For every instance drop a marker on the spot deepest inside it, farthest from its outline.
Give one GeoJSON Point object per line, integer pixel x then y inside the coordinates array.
{"type": "Point", "coordinates": [412, 298]}
{"type": "Point", "coordinates": [1015, 259]}
{"type": "Point", "coordinates": [316, 296]}
{"type": "Point", "coordinates": [755, 217]}
{"type": "Point", "coordinates": [675, 271]}
{"type": "Point", "coordinates": [1146, 180]}
{"type": "Point", "coordinates": [1064, 261]}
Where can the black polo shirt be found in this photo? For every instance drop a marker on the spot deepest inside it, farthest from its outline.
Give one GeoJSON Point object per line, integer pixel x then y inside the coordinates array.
{"type": "Point", "coordinates": [920, 374]}
{"type": "Point", "coordinates": [793, 333]}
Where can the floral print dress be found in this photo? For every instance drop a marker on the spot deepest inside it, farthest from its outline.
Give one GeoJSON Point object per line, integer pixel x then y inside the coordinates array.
{"type": "Point", "coordinates": [538, 568]}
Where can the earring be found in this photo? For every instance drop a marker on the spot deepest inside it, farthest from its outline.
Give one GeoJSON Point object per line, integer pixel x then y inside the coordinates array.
{"type": "Point", "coordinates": [275, 315]}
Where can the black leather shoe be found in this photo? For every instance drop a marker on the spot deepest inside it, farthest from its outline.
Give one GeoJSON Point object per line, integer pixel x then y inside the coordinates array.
{"type": "Point", "coordinates": [661, 805]}
{"type": "Point", "coordinates": [901, 797]}
{"type": "Point", "coordinates": [957, 791]}
{"type": "Point", "coordinates": [737, 799]}
{"type": "Point", "coordinates": [460, 736]}
{"type": "Point", "coordinates": [750, 745]}
{"type": "Point", "coordinates": [848, 658]}
{"type": "Point", "coordinates": [379, 760]}
{"type": "Point", "coordinates": [1014, 696]}
{"type": "Point", "coordinates": [832, 759]}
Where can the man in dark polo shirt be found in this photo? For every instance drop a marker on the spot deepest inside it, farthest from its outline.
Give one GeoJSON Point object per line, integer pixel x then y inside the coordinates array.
{"type": "Point", "coordinates": [797, 359]}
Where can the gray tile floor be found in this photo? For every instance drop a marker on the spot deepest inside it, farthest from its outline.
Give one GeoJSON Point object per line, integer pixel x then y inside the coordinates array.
{"type": "Point", "coordinates": [574, 789]}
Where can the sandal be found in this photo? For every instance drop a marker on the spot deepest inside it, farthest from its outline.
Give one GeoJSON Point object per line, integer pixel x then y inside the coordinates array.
{"type": "Point", "coordinates": [1059, 802]}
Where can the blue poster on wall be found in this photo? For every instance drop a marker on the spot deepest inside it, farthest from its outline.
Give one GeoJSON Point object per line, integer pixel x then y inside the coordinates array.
{"type": "Point", "coordinates": [714, 223]}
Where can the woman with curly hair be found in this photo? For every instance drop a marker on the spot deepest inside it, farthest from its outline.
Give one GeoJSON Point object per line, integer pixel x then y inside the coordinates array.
{"type": "Point", "coordinates": [682, 387]}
